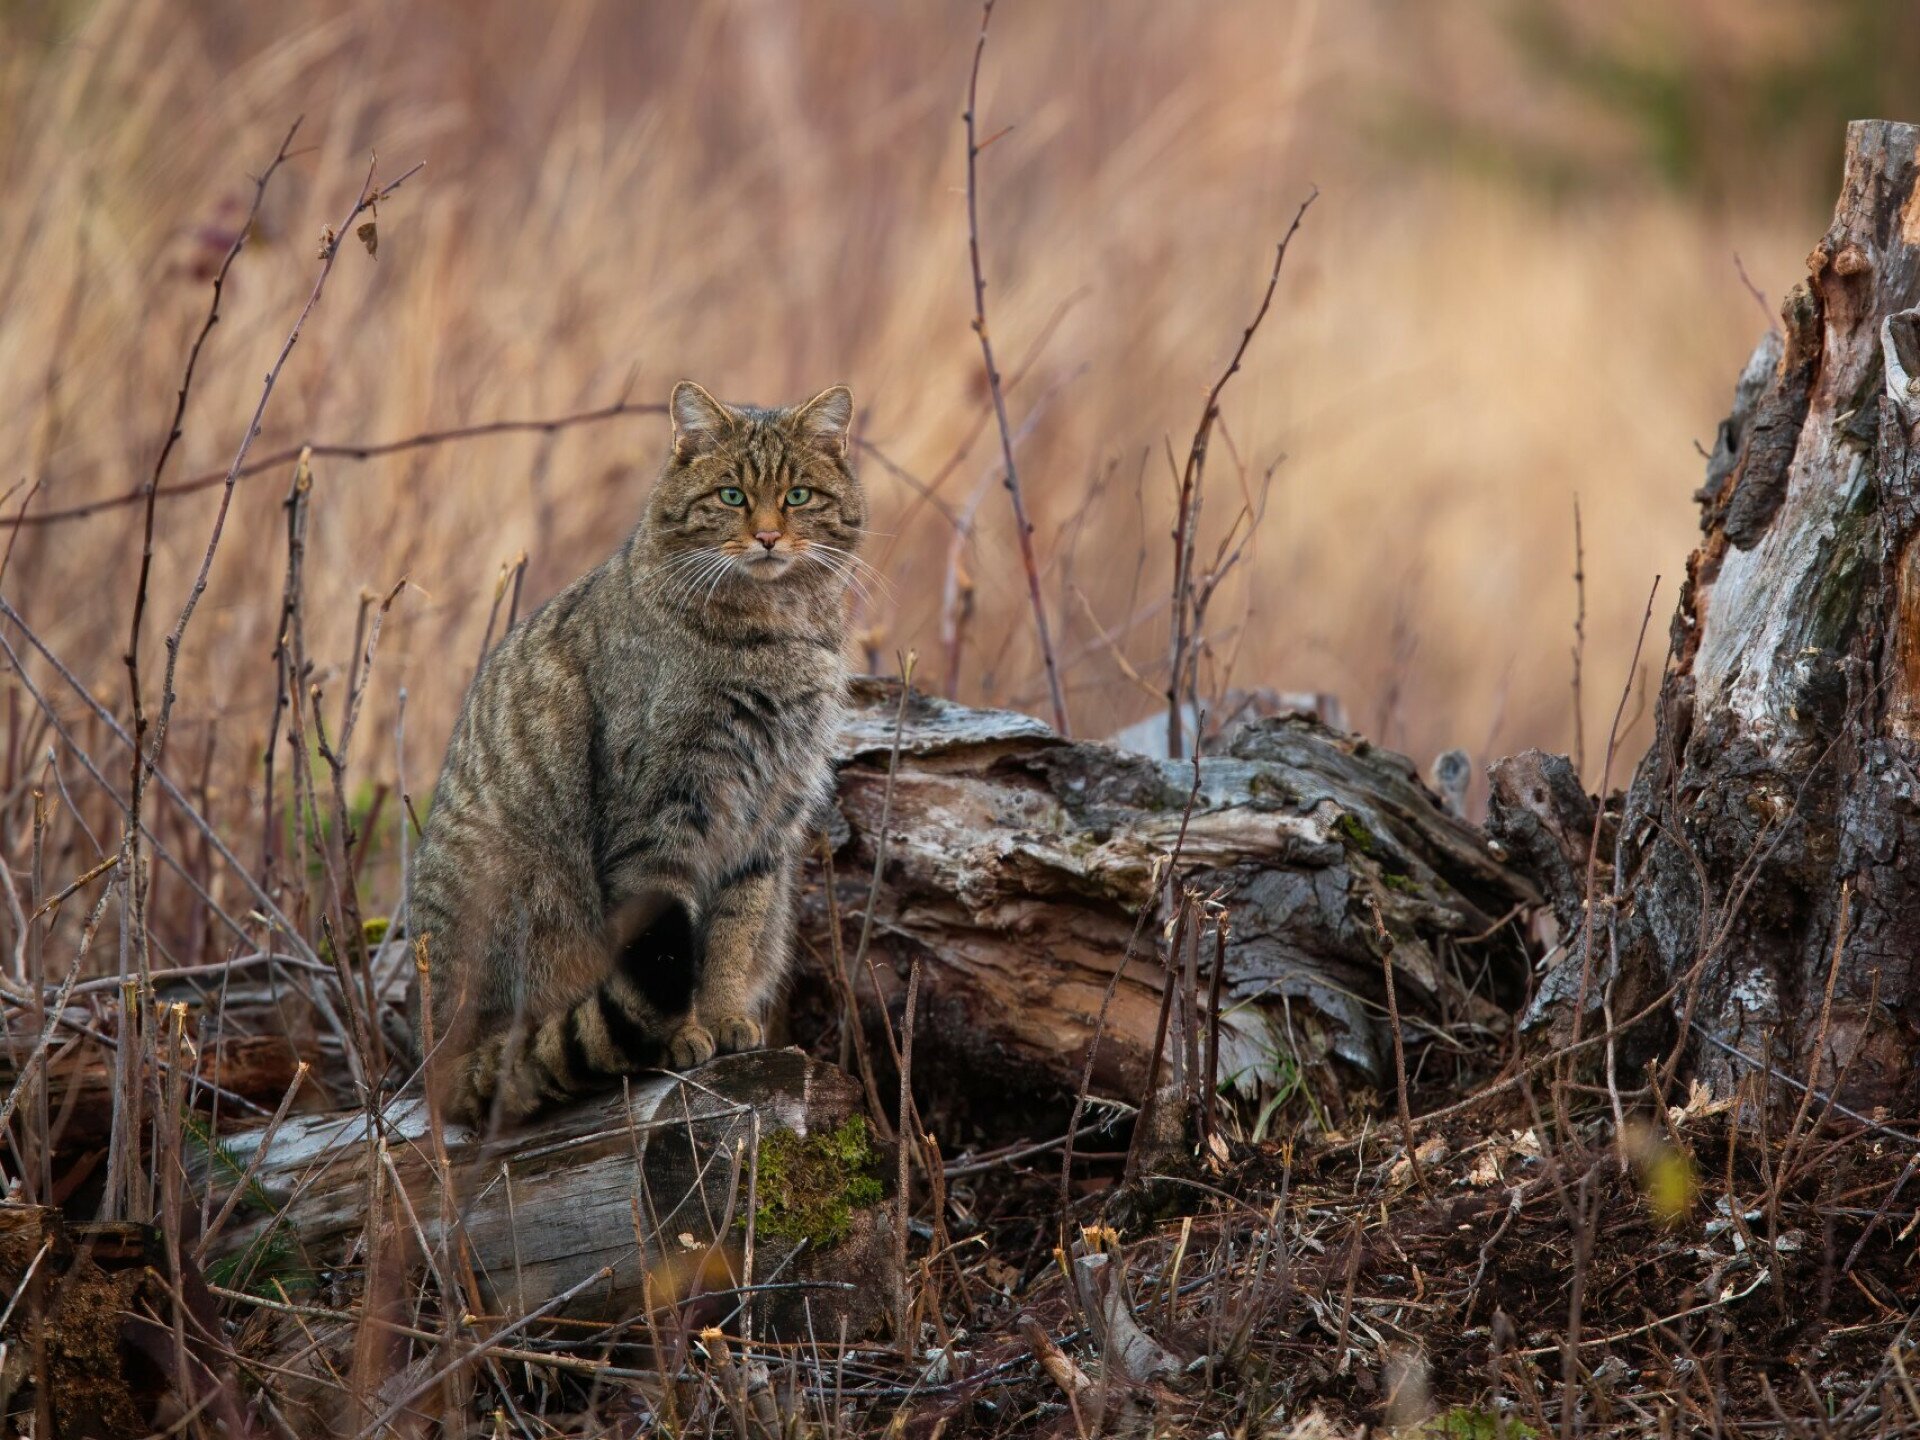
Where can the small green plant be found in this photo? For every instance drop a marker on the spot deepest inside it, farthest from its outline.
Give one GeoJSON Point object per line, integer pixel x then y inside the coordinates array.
{"type": "Point", "coordinates": [373, 932]}
{"type": "Point", "coordinates": [272, 1257]}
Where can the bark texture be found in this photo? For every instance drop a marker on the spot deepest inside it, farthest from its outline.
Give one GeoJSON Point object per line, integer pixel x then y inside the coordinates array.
{"type": "Point", "coordinates": [1766, 840]}
{"type": "Point", "coordinates": [652, 1187]}
{"type": "Point", "coordinates": [1018, 863]}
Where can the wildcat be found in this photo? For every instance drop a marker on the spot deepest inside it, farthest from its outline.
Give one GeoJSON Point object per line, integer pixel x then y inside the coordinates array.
{"type": "Point", "coordinates": [604, 884]}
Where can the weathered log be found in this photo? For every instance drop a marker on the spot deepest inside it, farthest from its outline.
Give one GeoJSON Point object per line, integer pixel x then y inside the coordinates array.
{"type": "Point", "coordinates": [1018, 865]}
{"type": "Point", "coordinates": [1539, 814]}
{"type": "Point", "coordinates": [1764, 847]}
{"type": "Point", "coordinates": [617, 1204]}
{"type": "Point", "coordinates": [255, 1068]}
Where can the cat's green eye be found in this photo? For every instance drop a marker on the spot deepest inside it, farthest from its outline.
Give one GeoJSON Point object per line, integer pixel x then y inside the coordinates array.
{"type": "Point", "coordinates": [732, 495]}
{"type": "Point", "coordinates": [798, 496]}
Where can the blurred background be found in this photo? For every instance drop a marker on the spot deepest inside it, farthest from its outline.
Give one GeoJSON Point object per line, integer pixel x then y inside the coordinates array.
{"type": "Point", "coordinates": [1522, 285]}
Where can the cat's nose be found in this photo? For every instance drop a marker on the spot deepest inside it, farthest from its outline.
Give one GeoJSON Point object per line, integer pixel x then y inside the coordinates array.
{"type": "Point", "coordinates": [768, 538]}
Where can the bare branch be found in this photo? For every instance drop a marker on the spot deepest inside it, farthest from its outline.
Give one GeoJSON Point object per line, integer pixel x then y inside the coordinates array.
{"type": "Point", "coordinates": [1023, 527]}
{"type": "Point", "coordinates": [1187, 516]}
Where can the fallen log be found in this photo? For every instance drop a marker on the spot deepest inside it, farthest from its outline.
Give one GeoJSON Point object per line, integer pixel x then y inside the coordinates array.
{"type": "Point", "coordinates": [747, 1187]}
{"type": "Point", "coordinates": [240, 1069]}
{"type": "Point", "coordinates": [1017, 866]}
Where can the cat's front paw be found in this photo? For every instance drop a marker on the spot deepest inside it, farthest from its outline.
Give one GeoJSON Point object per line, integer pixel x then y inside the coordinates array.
{"type": "Point", "coordinates": [737, 1033]}
{"type": "Point", "coordinates": [690, 1047]}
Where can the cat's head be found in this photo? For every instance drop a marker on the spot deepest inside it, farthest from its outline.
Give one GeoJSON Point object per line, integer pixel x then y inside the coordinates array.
{"type": "Point", "coordinates": [753, 496]}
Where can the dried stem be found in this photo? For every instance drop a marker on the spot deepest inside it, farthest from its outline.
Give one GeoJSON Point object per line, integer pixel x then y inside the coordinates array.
{"type": "Point", "coordinates": [1593, 862]}
{"type": "Point", "coordinates": [903, 1327]}
{"type": "Point", "coordinates": [1023, 527]}
{"type": "Point", "coordinates": [336, 450]}
{"type": "Point", "coordinates": [1579, 641]}
{"type": "Point", "coordinates": [1399, 1046]}
{"type": "Point", "coordinates": [1187, 513]}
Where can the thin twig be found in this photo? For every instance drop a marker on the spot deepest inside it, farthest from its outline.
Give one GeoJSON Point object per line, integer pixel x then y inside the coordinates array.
{"type": "Point", "coordinates": [338, 450]}
{"type": "Point", "coordinates": [1399, 1046]}
{"type": "Point", "coordinates": [904, 1192]}
{"type": "Point", "coordinates": [1579, 642]}
{"type": "Point", "coordinates": [1023, 528]}
{"type": "Point", "coordinates": [1186, 516]}
{"type": "Point", "coordinates": [150, 491]}
{"type": "Point", "coordinates": [1593, 860]}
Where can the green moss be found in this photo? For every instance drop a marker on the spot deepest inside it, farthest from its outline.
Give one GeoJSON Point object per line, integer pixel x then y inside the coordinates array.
{"type": "Point", "coordinates": [1356, 832]}
{"type": "Point", "coordinates": [810, 1186]}
{"type": "Point", "coordinates": [1462, 1423]}
{"type": "Point", "coordinates": [373, 932]}
{"type": "Point", "coordinates": [1405, 884]}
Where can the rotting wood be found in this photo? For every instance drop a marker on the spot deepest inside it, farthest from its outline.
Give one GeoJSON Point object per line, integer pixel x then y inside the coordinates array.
{"type": "Point", "coordinates": [652, 1186]}
{"type": "Point", "coordinates": [1786, 759]}
{"type": "Point", "coordinates": [1018, 862]}
{"type": "Point", "coordinates": [90, 1348]}
{"type": "Point", "coordinates": [253, 1068]}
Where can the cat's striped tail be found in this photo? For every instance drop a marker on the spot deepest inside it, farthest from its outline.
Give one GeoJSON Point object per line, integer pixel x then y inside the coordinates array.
{"type": "Point", "coordinates": [625, 1024]}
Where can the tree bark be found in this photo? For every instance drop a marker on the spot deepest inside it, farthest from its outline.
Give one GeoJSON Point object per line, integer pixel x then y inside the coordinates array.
{"type": "Point", "coordinates": [1761, 872]}
{"type": "Point", "coordinates": [1018, 866]}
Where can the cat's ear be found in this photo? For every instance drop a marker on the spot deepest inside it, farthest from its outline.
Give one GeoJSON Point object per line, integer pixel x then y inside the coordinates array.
{"type": "Point", "coordinates": [826, 419]}
{"type": "Point", "coordinates": [699, 420]}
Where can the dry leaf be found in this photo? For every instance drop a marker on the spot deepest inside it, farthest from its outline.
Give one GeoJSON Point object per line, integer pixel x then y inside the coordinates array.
{"type": "Point", "coordinates": [1700, 1103]}
{"type": "Point", "coordinates": [369, 234]}
{"type": "Point", "coordinates": [1429, 1152]}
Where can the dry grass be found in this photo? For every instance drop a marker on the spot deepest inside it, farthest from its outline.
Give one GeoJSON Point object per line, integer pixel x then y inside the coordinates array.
{"type": "Point", "coordinates": [1449, 363]}
{"type": "Point", "coordinates": [770, 199]}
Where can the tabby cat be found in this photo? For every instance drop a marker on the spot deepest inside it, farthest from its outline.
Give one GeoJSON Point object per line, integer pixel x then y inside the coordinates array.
{"type": "Point", "coordinates": [605, 880]}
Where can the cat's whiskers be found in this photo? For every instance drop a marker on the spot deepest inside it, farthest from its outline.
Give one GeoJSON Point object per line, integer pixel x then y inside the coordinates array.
{"type": "Point", "coordinates": [675, 574]}
{"type": "Point", "coordinates": [677, 564]}
{"type": "Point", "coordinates": [855, 561]}
{"type": "Point", "coordinates": [719, 574]}
{"type": "Point", "coordinates": [708, 580]}
{"type": "Point", "coordinates": [844, 573]}
{"type": "Point", "coordinates": [691, 577]}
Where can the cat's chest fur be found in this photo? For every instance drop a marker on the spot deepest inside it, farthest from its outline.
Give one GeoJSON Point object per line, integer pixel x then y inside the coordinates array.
{"type": "Point", "coordinates": [735, 742]}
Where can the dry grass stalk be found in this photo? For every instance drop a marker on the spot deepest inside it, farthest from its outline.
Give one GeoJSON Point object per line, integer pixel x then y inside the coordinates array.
{"type": "Point", "coordinates": [1010, 473]}
{"type": "Point", "coordinates": [1188, 607]}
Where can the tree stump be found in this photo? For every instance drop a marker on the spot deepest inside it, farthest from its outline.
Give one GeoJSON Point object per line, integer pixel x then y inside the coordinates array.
{"type": "Point", "coordinates": [1761, 873]}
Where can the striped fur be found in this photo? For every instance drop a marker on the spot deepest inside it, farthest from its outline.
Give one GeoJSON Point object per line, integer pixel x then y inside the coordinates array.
{"type": "Point", "coordinates": [605, 880]}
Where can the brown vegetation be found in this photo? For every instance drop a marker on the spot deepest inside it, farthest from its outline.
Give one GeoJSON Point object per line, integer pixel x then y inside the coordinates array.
{"type": "Point", "coordinates": [294, 444]}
